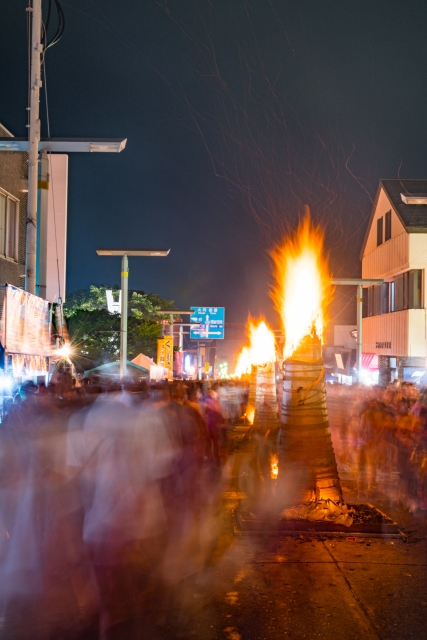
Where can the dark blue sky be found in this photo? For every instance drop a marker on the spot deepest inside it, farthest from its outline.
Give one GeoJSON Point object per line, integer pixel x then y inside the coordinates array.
{"type": "Point", "coordinates": [237, 115]}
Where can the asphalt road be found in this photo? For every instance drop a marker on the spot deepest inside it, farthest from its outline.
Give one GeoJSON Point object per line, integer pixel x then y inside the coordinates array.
{"type": "Point", "coordinates": [273, 586]}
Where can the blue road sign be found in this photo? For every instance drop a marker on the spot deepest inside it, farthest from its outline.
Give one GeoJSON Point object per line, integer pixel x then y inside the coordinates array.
{"type": "Point", "coordinates": [209, 321]}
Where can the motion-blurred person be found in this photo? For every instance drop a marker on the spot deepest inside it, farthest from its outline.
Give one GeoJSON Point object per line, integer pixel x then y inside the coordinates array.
{"type": "Point", "coordinates": [217, 429]}
{"type": "Point", "coordinates": [122, 453]}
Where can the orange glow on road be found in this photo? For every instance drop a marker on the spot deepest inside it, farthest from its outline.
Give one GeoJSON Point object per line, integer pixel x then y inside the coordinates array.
{"type": "Point", "coordinates": [274, 466]}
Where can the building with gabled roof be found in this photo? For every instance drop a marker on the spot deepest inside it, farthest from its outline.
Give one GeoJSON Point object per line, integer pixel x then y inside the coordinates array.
{"type": "Point", "coordinates": [395, 250]}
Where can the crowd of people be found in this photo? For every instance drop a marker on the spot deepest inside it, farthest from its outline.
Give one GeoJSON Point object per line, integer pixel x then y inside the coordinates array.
{"type": "Point", "coordinates": [380, 438]}
{"type": "Point", "coordinates": [112, 498]}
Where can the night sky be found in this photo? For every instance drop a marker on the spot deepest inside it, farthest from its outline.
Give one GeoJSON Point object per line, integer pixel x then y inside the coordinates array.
{"type": "Point", "coordinates": [238, 115]}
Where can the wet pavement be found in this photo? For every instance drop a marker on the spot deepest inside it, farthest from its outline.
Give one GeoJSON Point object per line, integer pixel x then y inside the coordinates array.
{"type": "Point", "coordinates": [273, 586]}
{"type": "Point", "coordinates": [276, 586]}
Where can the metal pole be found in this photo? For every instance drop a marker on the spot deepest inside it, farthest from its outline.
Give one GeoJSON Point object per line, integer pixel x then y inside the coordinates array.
{"type": "Point", "coordinates": [33, 147]}
{"type": "Point", "coordinates": [199, 364]}
{"type": "Point", "coordinates": [171, 325]}
{"type": "Point", "coordinates": [181, 337]}
{"type": "Point", "coordinates": [359, 303]}
{"type": "Point", "coordinates": [124, 317]}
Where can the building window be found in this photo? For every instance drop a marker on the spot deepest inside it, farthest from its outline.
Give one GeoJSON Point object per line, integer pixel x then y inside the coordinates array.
{"type": "Point", "coordinates": [379, 299]}
{"type": "Point", "coordinates": [400, 293]}
{"type": "Point", "coordinates": [415, 291]}
{"type": "Point", "coordinates": [9, 213]}
{"type": "Point", "coordinates": [387, 226]}
{"type": "Point", "coordinates": [379, 231]}
{"type": "Point", "coordinates": [392, 291]}
{"type": "Point", "coordinates": [406, 292]}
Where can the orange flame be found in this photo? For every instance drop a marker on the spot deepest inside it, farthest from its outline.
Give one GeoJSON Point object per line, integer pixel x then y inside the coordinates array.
{"type": "Point", "coordinates": [302, 292]}
{"type": "Point", "coordinates": [243, 365]}
{"type": "Point", "coordinates": [250, 413]}
{"type": "Point", "coordinates": [261, 349]}
{"type": "Point", "coordinates": [262, 343]}
{"type": "Point", "coordinates": [274, 466]}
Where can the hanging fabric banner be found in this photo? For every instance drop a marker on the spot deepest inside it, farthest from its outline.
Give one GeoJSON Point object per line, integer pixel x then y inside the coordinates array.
{"type": "Point", "coordinates": [161, 352]}
{"type": "Point", "coordinates": [168, 364]}
{"type": "Point", "coordinates": [25, 323]}
{"type": "Point", "coordinates": [28, 365]}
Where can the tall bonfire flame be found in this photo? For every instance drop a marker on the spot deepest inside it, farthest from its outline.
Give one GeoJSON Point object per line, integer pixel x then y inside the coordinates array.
{"type": "Point", "coordinates": [302, 292]}
{"type": "Point", "coordinates": [302, 295]}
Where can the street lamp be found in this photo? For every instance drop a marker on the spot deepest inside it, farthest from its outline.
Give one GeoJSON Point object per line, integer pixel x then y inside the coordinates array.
{"type": "Point", "coordinates": [124, 299]}
{"type": "Point", "coordinates": [34, 145]}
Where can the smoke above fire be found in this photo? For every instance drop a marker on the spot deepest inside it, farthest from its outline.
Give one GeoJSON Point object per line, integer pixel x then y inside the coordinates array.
{"type": "Point", "coordinates": [302, 291]}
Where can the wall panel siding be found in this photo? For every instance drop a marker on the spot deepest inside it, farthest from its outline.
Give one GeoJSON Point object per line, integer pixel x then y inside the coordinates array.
{"type": "Point", "coordinates": [390, 327]}
{"type": "Point", "coordinates": [417, 344]}
{"type": "Point", "coordinates": [387, 259]}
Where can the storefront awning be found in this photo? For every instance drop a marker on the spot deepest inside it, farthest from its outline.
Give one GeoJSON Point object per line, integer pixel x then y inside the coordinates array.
{"type": "Point", "coordinates": [370, 361]}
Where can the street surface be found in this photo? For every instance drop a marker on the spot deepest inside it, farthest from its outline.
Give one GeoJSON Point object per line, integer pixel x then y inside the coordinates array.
{"type": "Point", "coordinates": [274, 586]}
{"type": "Point", "coordinates": [263, 587]}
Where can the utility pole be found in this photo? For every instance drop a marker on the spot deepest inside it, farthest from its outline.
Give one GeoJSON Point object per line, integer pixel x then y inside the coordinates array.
{"type": "Point", "coordinates": [33, 145]}
{"type": "Point", "coordinates": [124, 317]}
{"type": "Point", "coordinates": [359, 340]}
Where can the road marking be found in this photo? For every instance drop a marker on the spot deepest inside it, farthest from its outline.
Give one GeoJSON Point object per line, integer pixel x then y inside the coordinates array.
{"type": "Point", "coordinates": [359, 602]}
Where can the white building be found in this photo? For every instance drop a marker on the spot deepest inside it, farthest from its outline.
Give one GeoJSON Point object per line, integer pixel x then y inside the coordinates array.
{"type": "Point", "coordinates": [395, 250]}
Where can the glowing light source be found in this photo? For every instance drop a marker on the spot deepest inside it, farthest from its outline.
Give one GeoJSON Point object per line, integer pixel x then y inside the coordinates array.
{"type": "Point", "coordinates": [64, 351]}
{"type": "Point", "coordinates": [260, 351]}
{"type": "Point", "coordinates": [303, 290]}
{"type": "Point", "coordinates": [243, 365]}
{"type": "Point", "coordinates": [187, 362]}
{"type": "Point", "coordinates": [223, 370]}
{"type": "Point", "coordinates": [274, 466]}
{"type": "Point", "coordinates": [6, 384]}
{"type": "Point", "coordinates": [262, 344]}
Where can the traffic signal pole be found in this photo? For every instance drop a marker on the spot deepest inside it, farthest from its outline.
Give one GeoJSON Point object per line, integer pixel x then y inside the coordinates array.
{"type": "Point", "coordinates": [33, 146]}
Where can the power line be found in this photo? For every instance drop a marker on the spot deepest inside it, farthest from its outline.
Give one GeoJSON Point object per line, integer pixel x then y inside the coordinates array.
{"type": "Point", "coordinates": [59, 29]}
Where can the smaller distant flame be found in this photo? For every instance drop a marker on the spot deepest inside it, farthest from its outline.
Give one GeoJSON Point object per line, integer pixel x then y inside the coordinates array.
{"type": "Point", "coordinates": [244, 365]}
{"type": "Point", "coordinates": [274, 466]}
{"type": "Point", "coordinates": [250, 413]}
{"type": "Point", "coordinates": [262, 344]}
{"type": "Point", "coordinates": [261, 349]}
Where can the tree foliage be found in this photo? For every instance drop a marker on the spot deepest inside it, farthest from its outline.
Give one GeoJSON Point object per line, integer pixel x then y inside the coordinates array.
{"type": "Point", "coordinates": [95, 332]}
{"type": "Point", "coordinates": [95, 336]}
{"type": "Point", "coordinates": [141, 305]}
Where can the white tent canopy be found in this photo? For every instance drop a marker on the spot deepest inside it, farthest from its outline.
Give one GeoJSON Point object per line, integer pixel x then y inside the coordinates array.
{"type": "Point", "coordinates": [144, 361]}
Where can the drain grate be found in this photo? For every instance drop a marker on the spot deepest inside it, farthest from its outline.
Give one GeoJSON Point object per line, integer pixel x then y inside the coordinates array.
{"type": "Point", "coordinates": [370, 522]}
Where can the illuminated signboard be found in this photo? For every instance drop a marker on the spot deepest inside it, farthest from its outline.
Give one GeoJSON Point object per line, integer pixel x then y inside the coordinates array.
{"type": "Point", "coordinates": [209, 323]}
